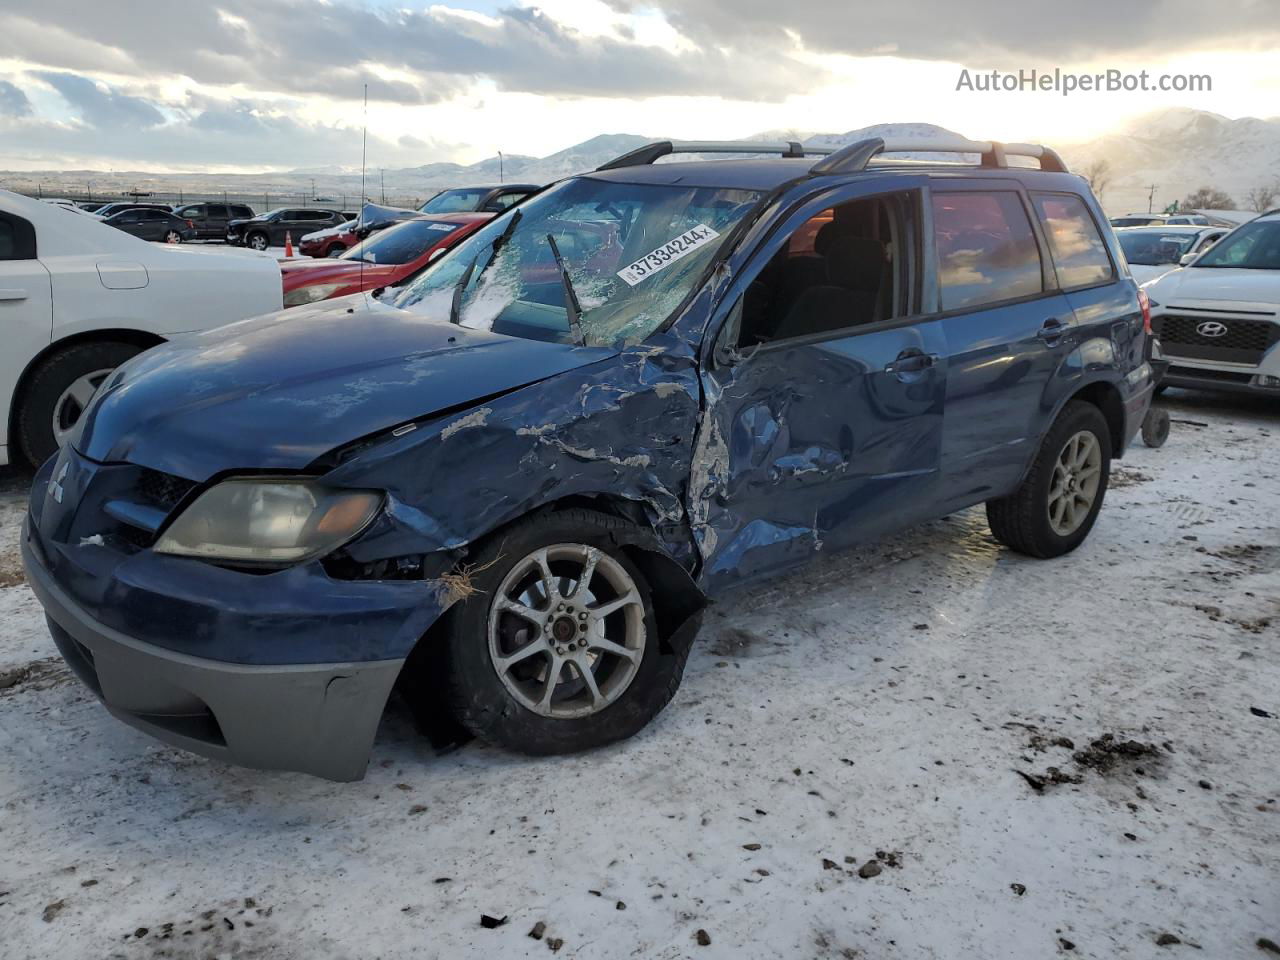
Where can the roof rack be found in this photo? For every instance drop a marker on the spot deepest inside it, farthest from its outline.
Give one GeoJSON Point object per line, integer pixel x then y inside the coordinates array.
{"type": "Point", "coordinates": [662, 148]}
{"type": "Point", "coordinates": [855, 157]}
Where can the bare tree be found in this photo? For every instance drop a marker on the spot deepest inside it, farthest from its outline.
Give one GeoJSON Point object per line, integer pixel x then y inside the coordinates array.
{"type": "Point", "coordinates": [1207, 198]}
{"type": "Point", "coordinates": [1098, 173]}
{"type": "Point", "coordinates": [1263, 198]}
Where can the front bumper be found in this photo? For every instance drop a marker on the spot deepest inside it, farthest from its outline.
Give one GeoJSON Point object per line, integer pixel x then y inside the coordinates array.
{"type": "Point", "coordinates": [316, 718]}
{"type": "Point", "coordinates": [1218, 378]}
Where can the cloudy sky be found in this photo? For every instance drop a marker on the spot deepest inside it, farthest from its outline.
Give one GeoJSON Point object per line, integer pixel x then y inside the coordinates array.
{"type": "Point", "coordinates": [249, 85]}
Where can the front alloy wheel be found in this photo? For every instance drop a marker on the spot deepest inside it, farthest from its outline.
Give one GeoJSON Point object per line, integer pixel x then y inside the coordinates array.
{"type": "Point", "coordinates": [567, 630]}
{"type": "Point", "coordinates": [258, 241]}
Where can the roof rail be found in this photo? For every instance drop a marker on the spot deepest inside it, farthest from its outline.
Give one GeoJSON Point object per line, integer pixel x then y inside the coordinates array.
{"type": "Point", "coordinates": [661, 148]}
{"type": "Point", "coordinates": [855, 157]}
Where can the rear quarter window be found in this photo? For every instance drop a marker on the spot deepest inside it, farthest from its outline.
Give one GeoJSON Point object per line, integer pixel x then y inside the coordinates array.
{"type": "Point", "coordinates": [987, 250]}
{"type": "Point", "coordinates": [1078, 251]}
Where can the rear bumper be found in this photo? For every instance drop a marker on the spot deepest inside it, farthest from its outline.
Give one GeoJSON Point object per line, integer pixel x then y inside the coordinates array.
{"type": "Point", "coordinates": [316, 718]}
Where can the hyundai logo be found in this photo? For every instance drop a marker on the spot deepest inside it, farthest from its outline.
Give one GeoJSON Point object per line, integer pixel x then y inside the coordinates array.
{"type": "Point", "coordinates": [1211, 328]}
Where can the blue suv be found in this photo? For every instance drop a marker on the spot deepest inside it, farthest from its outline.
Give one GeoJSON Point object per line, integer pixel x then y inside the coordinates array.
{"type": "Point", "coordinates": [510, 487]}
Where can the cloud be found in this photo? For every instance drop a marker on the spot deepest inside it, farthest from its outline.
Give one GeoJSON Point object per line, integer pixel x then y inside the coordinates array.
{"type": "Point", "coordinates": [100, 106]}
{"type": "Point", "coordinates": [13, 102]}
{"type": "Point", "coordinates": [980, 32]}
{"type": "Point", "coordinates": [404, 55]}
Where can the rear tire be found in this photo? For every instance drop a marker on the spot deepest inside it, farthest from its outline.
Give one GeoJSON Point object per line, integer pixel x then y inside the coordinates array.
{"type": "Point", "coordinates": [1155, 427]}
{"type": "Point", "coordinates": [1058, 501]}
{"type": "Point", "coordinates": [633, 674]}
{"type": "Point", "coordinates": [49, 393]}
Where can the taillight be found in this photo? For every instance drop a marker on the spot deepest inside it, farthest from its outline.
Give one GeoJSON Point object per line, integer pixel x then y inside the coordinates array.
{"type": "Point", "coordinates": [1145, 303]}
{"type": "Point", "coordinates": [191, 225]}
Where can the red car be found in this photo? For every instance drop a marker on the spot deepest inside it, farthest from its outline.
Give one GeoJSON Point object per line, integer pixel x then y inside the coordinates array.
{"type": "Point", "coordinates": [330, 241]}
{"type": "Point", "coordinates": [386, 258]}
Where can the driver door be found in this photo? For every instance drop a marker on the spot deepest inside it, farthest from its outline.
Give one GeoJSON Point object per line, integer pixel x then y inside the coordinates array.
{"type": "Point", "coordinates": [825, 387]}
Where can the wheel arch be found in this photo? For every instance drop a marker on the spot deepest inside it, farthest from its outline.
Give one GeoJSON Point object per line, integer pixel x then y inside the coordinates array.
{"type": "Point", "coordinates": [1106, 397]}
{"type": "Point", "coordinates": [143, 339]}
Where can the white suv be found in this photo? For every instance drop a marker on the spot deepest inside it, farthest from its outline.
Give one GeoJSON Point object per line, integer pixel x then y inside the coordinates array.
{"type": "Point", "coordinates": [1218, 318]}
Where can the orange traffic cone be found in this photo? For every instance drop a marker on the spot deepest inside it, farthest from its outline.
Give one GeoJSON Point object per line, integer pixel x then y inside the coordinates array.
{"type": "Point", "coordinates": [288, 245]}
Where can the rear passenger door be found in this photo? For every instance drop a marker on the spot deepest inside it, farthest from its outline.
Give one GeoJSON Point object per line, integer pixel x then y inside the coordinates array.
{"type": "Point", "coordinates": [1007, 330]}
{"type": "Point", "coordinates": [825, 389]}
{"type": "Point", "coordinates": [215, 221]}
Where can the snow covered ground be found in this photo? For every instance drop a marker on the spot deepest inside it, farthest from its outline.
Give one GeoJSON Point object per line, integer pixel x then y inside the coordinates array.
{"type": "Point", "coordinates": [890, 700]}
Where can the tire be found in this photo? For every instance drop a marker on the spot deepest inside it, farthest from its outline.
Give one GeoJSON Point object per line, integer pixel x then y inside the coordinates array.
{"type": "Point", "coordinates": [257, 240]}
{"type": "Point", "coordinates": [632, 690]}
{"type": "Point", "coordinates": [44, 394]}
{"type": "Point", "coordinates": [173, 236]}
{"type": "Point", "coordinates": [1023, 522]}
{"type": "Point", "coordinates": [1155, 427]}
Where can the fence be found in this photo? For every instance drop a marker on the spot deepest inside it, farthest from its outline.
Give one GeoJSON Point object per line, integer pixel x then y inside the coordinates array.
{"type": "Point", "coordinates": [260, 202]}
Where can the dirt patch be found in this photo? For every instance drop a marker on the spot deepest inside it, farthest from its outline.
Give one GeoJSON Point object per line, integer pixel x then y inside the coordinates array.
{"type": "Point", "coordinates": [36, 675]}
{"type": "Point", "coordinates": [736, 642]}
{"type": "Point", "coordinates": [239, 928]}
{"type": "Point", "coordinates": [1107, 755]}
{"type": "Point", "coordinates": [1122, 477]}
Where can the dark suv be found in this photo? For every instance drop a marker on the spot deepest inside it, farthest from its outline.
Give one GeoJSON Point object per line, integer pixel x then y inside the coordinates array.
{"type": "Point", "coordinates": [512, 487]}
{"type": "Point", "coordinates": [269, 229]}
{"type": "Point", "coordinates": [210, 219]}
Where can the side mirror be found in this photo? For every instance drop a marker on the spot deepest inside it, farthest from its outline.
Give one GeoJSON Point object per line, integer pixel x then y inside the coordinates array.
{"type": "Point", "coordinates": [1187, 259]}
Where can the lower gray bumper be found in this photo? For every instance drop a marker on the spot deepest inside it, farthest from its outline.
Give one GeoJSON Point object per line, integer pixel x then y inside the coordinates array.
{"type": "Point", "coordinates": [313, 718]}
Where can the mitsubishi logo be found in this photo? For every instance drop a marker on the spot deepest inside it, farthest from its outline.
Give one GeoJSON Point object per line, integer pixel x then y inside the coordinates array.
{"type": "Point", "coordinates": [1211, 328]}
{"type": "Point", "coordinates": [55, 485]}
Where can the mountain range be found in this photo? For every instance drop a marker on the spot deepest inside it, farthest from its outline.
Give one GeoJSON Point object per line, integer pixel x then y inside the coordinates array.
{"type": "Point", "coordinates": [1178, 150]}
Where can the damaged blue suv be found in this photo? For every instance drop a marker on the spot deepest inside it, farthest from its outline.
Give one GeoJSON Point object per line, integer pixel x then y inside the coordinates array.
{"type": "Point", "coordinates": [511, 486]}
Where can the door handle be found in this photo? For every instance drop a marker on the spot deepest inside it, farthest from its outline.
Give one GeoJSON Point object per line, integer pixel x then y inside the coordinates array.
{"type": "Point", "coordinates": [12, 294]}
{"type": "Point", "coordinates": [911, 362]}
{"type": "Point", "coordinates": [1052, 331]}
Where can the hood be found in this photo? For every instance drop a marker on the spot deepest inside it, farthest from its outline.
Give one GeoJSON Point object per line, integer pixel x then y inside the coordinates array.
{"type": "Point", "coordinates": [304, 273]}
{"type": "Point", "coordinates": [276, 392]}
{"type": "Point", "coordinates": [1246, 289]}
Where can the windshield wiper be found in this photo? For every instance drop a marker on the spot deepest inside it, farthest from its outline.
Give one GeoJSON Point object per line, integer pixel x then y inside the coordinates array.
{"type": "Point", "coordinates": [455, 304]}
{"type": "Point", "coordinates": [500, 241]}
{"type": "Point", "coordinates": [571, 304]}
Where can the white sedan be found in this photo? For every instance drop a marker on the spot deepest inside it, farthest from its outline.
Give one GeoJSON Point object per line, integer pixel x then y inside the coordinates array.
{"type": "Point", "coordinates": [78, 298]}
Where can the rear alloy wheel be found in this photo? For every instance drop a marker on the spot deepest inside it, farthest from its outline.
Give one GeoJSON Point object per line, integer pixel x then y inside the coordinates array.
{"type": "Point", "coordinates": [173, 236]}
{"type": "Point", "coordinates": [59, 391]}
{"type": "Point", "coordinates": [557, 649]}
{"type": "Point", "coordinates": [258, 240]}
{"type": "Point", "coordinates": [1058, 501]}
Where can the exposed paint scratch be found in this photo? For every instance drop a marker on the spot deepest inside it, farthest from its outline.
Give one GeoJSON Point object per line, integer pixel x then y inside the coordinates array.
{"type": "Point", "coordinates": [476, 418]}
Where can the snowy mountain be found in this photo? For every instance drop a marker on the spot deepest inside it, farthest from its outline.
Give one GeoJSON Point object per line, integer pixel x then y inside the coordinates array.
{"type": "Point", "coordinates": [1180, 150]}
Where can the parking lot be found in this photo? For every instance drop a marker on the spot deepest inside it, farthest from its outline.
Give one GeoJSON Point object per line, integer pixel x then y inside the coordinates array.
{"type": "Point", "coordinates": [860, 763]}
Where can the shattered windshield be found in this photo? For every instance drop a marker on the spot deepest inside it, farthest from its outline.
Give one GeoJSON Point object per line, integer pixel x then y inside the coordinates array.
{"type": "Point", "coordinates": [587, 261]}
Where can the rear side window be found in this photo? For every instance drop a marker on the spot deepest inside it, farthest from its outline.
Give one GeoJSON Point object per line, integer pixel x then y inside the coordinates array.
{"type": "Point", "coordinates": [986, 249]}
{"type": "Point", "coordinates": [1078, 251]}
{"type": "Point", "coordinates": [17, 238]}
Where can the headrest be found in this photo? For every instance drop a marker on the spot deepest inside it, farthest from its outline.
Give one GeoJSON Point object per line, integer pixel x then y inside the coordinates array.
{"type": "Point", "coordinates": [855, 262]}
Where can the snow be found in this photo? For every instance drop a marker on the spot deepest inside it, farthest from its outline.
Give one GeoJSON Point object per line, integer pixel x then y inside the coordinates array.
{"type": "Point", "coordinates": [819, 718]}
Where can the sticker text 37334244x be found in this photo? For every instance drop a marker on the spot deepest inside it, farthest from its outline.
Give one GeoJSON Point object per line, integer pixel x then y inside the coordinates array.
{"type": "Point", "coordinates": [667, 254]}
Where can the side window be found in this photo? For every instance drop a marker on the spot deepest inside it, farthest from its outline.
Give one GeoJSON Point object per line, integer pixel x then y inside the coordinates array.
{"type": "Point", "coordinates": [129, 216]}
{"type": "Point", "coordinates": [844, 268]}
{"type": "Point", "coordinates": [195, 212]}
{"type": "Point", "coordinates": [216, 211]}
{"type": "Point", "coordinates": [1078, 251]}
{"type": "Point", "coordinates": [986, 249]}
{"type": "Point", "coordinates": [17, 238]}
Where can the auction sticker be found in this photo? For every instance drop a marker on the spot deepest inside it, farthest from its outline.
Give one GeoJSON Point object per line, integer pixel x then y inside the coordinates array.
{"type": "Point", "coordinates": [668, 253]}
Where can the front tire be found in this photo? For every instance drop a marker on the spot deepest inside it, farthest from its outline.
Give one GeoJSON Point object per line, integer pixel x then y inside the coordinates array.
{"type": "Point", "coordinates": [558, 649]}
{"type": "Point", "coordinates": [1055, 507]}
{"type": "Point", "coordinates": [58, 392]}
{"type": "Point", "coordinates": [258, 240]}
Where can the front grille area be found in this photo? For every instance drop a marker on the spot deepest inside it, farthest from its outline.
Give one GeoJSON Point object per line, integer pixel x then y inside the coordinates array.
{"type": "Point", "coordinates": [162, 489]}
{"type": "Point", "coordinates": [1245, 341]}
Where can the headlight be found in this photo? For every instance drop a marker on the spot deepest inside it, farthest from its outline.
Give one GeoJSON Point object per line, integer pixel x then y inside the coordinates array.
{"type": "Point", "coordinates": [268, 521]}
{"type": "Point", "coordinates": [320, 291]}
